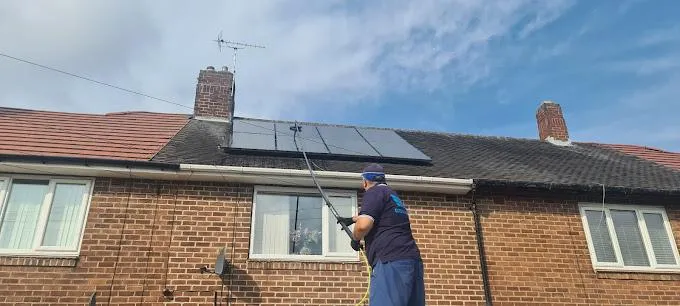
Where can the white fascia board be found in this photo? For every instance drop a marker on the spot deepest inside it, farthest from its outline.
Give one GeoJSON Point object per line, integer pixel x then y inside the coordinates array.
{"type": "Point", "coordinates": [249, 175]}
{"type": "Point", "coordinates": [75, 170]}
{"type": "Point", "coordinates": [327, 179]}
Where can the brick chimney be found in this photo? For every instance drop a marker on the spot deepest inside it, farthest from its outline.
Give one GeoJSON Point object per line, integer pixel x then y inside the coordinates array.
{"type": "Point", "coordinates": [214, 100]}
{"type": "Point", "coordinates": [551, 124]}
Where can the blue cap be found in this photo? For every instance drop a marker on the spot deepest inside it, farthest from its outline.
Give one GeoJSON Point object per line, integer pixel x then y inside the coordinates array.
{"type": "Point", "coordinates": [373, 173]}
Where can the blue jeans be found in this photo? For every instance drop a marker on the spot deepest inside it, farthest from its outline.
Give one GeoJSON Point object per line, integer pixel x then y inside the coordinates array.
{"type": "Point", "coordinates": [397, 283]}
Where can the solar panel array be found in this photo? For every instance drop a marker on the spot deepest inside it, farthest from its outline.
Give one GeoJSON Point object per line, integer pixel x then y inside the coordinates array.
{"type": "Point", "coordinates": [255, 135]}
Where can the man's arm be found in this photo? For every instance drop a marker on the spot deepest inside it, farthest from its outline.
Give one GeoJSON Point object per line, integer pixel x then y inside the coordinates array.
{"type": "Point", "coordinates": [371, 209]}
{"type": "Point", "coordinates": [363, 224]}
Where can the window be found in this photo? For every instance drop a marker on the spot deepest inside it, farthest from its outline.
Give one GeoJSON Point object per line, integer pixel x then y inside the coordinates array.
{"type": "Point", "coordinates": [40, 216]}
{"type": "Point", "coordinates": [296, 224]}
{"type": "Point", "coordinates": [632, 238]}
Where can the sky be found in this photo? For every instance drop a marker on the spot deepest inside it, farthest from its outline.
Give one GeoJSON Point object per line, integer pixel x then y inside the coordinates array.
{"type": "Point", "coordinates": [459, 66]}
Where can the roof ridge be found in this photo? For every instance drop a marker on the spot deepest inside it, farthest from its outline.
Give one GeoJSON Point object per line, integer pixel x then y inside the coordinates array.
{"type": "Point", "coordinates": [636, 146]}
{"type": "Point", "coordinates": [89, 114]}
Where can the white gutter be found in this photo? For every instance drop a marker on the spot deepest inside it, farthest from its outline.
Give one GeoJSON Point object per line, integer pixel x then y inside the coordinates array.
{"type": "Point", "coordinates": [327, 179]}
{"type": "Point", "coordinates": [250, 175]}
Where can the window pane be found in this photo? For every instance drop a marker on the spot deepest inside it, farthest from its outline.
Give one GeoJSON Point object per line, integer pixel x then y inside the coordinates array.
{"type": "Point", "coordinates": [305, 223]}
{"type": "Point", "coordinates": [663, 251]}
{"type": "Point", "coordinates": [21, 214]}
{"type": "Point", "coordinates": [2, 191]}
{"type": "Point", "coordinates": [63, 223]}
{"type": "Point", "coordinates": [602, 241]}
{"type": "Point", "coordinates": [338, 241]}
{"type": "Point", "coordinates": [272, 221]}
{"type": "Point", "coordinates": [629, 238]}
{"type": "Point", "coordinates": [287, 224]}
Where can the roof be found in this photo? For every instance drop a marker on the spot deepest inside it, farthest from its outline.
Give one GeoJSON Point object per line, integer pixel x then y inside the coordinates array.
{"type": "Point", "coordinates": [666, 158]}
{"type": "Point", "coordinates": [126, 135]}
{"type": "Point", "coordinates": [453, 156]}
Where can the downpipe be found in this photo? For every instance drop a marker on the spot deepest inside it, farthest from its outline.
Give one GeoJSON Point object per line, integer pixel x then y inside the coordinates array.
{"type": "Point", "coordinates": [480, 248]}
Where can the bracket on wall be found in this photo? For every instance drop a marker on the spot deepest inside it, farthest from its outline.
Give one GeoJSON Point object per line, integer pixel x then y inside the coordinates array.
{"type": "Point", "coordinates": [222, 266]}
{"type": "Point", "coordinates": [93, 299]}
{"type": "Point", "coordinates": [168, 294]}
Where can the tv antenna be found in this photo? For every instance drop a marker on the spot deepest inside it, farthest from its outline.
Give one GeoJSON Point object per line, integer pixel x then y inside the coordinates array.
{"type": "Point", "coordinates": [234, 46]}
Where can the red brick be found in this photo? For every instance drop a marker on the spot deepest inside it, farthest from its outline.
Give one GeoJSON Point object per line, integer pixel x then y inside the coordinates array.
{"type": "Point", "coordinates": [523, 270]}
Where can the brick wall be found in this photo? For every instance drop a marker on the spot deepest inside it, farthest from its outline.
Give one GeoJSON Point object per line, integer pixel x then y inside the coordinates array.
{"type": "Point", "coordinates": [538, 254]}
{"type": "Point", "coordinates": [170, 230]}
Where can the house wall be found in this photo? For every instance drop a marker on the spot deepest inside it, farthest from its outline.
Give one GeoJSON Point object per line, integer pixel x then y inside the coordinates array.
{"type": "Point", "coordinates": [170, 230]}
{"type": "Point", "coordinates": [538, 253]}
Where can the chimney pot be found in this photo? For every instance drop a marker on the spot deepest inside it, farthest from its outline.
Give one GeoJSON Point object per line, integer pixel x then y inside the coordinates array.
{"type": "Point", "coordinates": [551, 123]}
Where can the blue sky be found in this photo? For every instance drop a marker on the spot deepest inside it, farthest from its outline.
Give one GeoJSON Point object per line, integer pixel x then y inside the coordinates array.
{"type": "Point", "coordinates": [612, 65]}
{"type": "Point", "coordinates": [462, 66]}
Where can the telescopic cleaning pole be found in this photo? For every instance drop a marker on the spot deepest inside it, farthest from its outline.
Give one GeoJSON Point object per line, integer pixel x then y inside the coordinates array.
{"type": "Point", "coordinates": [297, 129]}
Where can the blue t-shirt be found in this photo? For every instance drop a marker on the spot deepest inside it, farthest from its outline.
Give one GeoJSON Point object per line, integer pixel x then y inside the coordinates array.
{"type": "Point", "coordinates": [391, 237]}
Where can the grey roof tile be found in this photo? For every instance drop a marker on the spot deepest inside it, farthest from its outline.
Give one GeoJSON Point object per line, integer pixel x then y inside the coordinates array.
{"type": "Point", "coordinates": [453, 156]}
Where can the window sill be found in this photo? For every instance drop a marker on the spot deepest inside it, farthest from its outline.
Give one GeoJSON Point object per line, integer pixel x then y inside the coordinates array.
{"type": "Point", "coordinates": [635, 274]}
{"type": "Point", "coordinates": [39, 261]}
{"type": "Point", "coordinates": [327, 264]}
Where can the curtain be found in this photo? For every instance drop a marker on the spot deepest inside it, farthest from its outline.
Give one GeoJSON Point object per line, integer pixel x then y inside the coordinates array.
{"type": "Point", "coordinates": [21, 214]}
{"type": "Point", "coordinates": [629, 237]}
{"type": "Point", "coordinates": [599, 234]}
{"type": "Point", "coordinates": [272, 218]}
{"type": "Point", "coordinates": [63, 223]}
{"type": "Point", "coordinates": [661, 244]}
{"type": "Point", "coordinates": [338, 242]}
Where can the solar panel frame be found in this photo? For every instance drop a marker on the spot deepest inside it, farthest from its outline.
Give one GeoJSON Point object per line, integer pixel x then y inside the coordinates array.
{"type": "Point", "coordinates": [308, 139]}
{"type": "Point", "coordinates": [252, 126]}
{"type": "Point", "coordinates": [252, 135]}
{"type": "Point", "coordinates": [389, 144]}
{"type": "Point", "coordinates": [252, 141]}
{"type": "Point", "coordinates": [269, 138]}
{"type": "Point", "coordinates": [346, 141]}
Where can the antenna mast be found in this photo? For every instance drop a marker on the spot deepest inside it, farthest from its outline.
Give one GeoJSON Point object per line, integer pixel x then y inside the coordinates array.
{"type": "Point", "coordinates": [235, 46]}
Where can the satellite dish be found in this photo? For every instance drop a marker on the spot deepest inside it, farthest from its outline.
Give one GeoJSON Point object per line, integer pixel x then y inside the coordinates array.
{"type": "Point", "coordinates": [93, 299]}
{"type": "Point", "coordinates": [221, 263]}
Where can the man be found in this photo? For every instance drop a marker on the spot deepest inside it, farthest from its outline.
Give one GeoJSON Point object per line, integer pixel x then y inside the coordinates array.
{"type": "Point", "coordinates": [392, 252]}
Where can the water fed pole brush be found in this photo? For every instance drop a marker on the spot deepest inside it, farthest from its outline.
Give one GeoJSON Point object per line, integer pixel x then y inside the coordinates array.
{"type": "Point", "coordinates": [296, 129]}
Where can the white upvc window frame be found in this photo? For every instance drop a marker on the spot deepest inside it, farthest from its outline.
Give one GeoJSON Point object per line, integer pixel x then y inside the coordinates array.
{"type": "Point", "coordinates": [619, 265]}
{"type": "Point", "coordinates": [47, 251]}
{"type": "Point", "coordinates": [326, 213]}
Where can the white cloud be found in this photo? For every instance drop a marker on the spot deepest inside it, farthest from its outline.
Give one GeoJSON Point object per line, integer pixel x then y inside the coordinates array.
{"type": "Point", "coordinates": [319, 55]}
{"type": "Point", "coordinates": [648, 66]}
{"type": "Point", "coordinates": [646, 116]}
{"type": "Point", "coordinates": [626, 5]}
{"type": "Point", "coordinates": [549, 12]}
{"type": "Point", "coordinates": [660, 36]}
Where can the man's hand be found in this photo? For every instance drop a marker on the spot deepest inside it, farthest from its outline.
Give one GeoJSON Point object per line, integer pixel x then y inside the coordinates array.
{"type": "Point", "coordinates": [346, 221]}
{"type": "Point", "coordinates": [356, 245]}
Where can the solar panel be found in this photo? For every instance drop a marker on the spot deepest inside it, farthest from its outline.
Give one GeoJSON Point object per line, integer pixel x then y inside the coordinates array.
{"type": "Point", "coordinates": [347, 141]}
{"type": "Point", "coordinates": [343, 142]}
{"type": "Point", "coordinates": [254, 135]}
{"type": "Point", "coordinates": [308, 138]}
{"type": "Point", "coordinates": [253, 126]}
{"type": "Point", "coordinates": [390, 144]}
